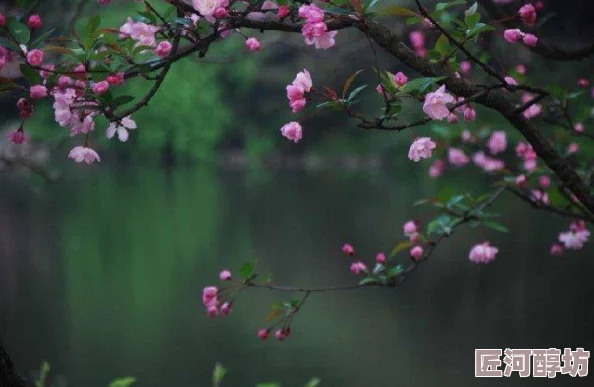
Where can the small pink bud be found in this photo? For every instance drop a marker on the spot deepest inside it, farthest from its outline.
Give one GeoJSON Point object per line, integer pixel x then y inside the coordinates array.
{"type": "Point", "coordinates": [226, 309]}
{"type": "Point", "coordinates": [34, 22]}
{"type": "Point", "coordinates": [220, 13]}
{"type": "Point", "coordinates": [415, 238]}
{"type": "Point", "coordinates": [530, 40]}
{"type": "Point", "coordinates": [209, 292]}
{"type": "Point", "coordinates": [465, 67]}
{"type": "Point", "coordinates": [283, 11]}
{"type": "Point", "coordinates": [528, 14]}
{"type": "Point", "coordinates": [358, 268]}
{"type": "Point", "coordinates": [163, 49]}
{"type": "Point", "coordinates": [400, 79]}
{"type": "Point", "coordinates": [348, 249]}
{"type": "Point", "coordinates": [469, 114]}
{"type": "Point", "coordinates": [521, 69]}
{"type": "Point", "coordinates": [521, 181]}
{"type": "Point", "coordinates": [100, 87]}
{"type": "Point", "coordinates": [512, 35]}
{"type": "Point", "coordinates": [409, 228]}
{"type": "Point", "coordinates": [37, 92]}
{"type": "Point", "coordinates": [115, 79]}
{"type": "Point", "coordinates": [252, 44]}
{"type": "Point", "coordinates": [17, 137]}
{"type": "Point", "coordinates": [573, 148]}
{"type": "Point", "coordinates": [35, 57]}
{"type": "Point", "coordinates": [452, 118]}
{"type": "Point", "coordinates": [583, 82]}
{"type": "Point", "coordinates": [2, 19]}
{"type": "Point", "coordinates": [263, 334]}
{"type": "Point", "coordinates": [212, 311]}
{"type": "Point", "coordinates": [557, 249]}
{"type": "Point", "coordinates": [539, 5]}
{"type": "Point", "coordinates": [510, 81]}
{"type": "Point", "coordinates": [225, 275]}
{"type": "Point", "coordinates": [380, 258]}
{"type": "Point", "coordinates": [544, 181]}
{"type": "Point", "coordinates": [416, 252]}
{"type": "Point", "coordinates": [280, 335]}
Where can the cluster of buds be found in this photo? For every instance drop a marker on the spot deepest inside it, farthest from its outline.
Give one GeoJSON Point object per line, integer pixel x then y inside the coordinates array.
{"type": "Point", "coordinates": [213, 298]}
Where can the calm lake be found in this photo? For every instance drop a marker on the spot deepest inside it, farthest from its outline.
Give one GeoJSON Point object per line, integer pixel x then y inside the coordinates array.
{"type": "Point", "coordinates": [101, 275]}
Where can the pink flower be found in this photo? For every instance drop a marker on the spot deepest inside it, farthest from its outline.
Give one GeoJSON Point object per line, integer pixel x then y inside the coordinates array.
{"type": "Point", "coordinates": [297, 105]}
{"type": "Point", "coordinates": [311, 13]}
{"type": "Point", "coordinates": [416, 252]}
{"type": "Point", "coordinates": [528, 14]}
{"type": "Point", "coordinates": [534, 110]}
{"type": "Point", "coordinates": [314, 30]}
{"type": "Point", "coordinates": [163, 49]}
{"type": "Point", "coordinates": [17, 137]}
{"type": "Point", "coordinates": [209, 293]}
{"type": "Point", "coordinates": [465, 66]}
{"type": "Point", "coordinates": [574, 240]}
{"type": "Point", "coordinates": [116, 80]}
{"type": "Point", "coordinates": [457, 157]}
{"type": "Point", "coordinates": [252, 44]}
{"type": "Point", "coordinates": [323, 42]}
{"type": "Point", "coordinates": [294, 91]}
{"type": "Point", "coordinates": [487, 163]}
{"type": "Point", "coordinates": [292, 131]}
{"type": "Point", "coordinates": [144, 34]}
{"type": "Point", "coordinates": [37, 92]}
{"type": "Point", "coordinates": [436, 168]}
{"type": "Point", "coordinates": [539, 196]}
{"type": "Point", "coordinates": [35, 57]}
{"type": "Point", "coordinates": [280, 334]}
{"type": "Point", "coordinates": [100, 87]}
{"type": "Point", "coordinates": [380, 258]}
{"type": "Point", "coordinates": [573, 148]}
{"type": "Point", "coordinates": [421, 149]}
{"type": "Point", "coordinates": [225, 275]}
{"type": "Point", "coordinates": [583, 82]}
{"type": "Point", "coordinates": [358, 267]}
{"type": "Point", "coordinates": [303, 80]}
{"type": "Point", "coordinates": [435, 104]}
{"type": "Point", "coordinates": [530, 40]}
{"type": "Point", "coordinates": [469, 114]}
{"type": "Point", "coordinates": [497, 142]}
{"type": "Point", "coordinates": [521, 181]}
{"type": "Point", "coordinates": [579, 127]}
{"type": "Point", "coordinates": [283, 11]}
{"type": "Point", "coordinates": [417, 39]}
{"type": "Point", "coordinates": [263, 334]}
{"type": "Point", "coordinates": [205, 7]}
{"type": "Point", "coordinates": [34, 22]}
{"type": "Point", "coordinates": [512, 35]}
{"type": "Point", "coordinates": [121, 128]}
{"type": "Point", "coordinates": [483, 253]}
{"type": "Point", "coordinates": [348, 249]}
{"type": "Point", "coordinates": [83, 153]}
{"type": "Point", "coordinates": [544, 181]}
{"type": "Point", "coordinates": [521, 69]}
{"type": "Point", "coordinates": [226, 309]}
{"type": "Point", "coordinates": [400, 79]}
{"type": "Point", "coordinates": [126, 28]}
{"type": "Point", "coordinates": [557, 249]}
{"type": "Point", "coordinates": [510, 81]}
{"type": "Point", "coordinates": [410, 228]}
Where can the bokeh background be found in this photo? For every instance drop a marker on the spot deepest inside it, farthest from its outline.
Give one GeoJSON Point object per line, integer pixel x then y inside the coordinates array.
{"type": "Point", "coordinates": [101, 268]}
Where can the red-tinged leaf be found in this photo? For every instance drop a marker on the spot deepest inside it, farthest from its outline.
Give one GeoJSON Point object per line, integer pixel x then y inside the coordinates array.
{"type": "Point", "coordinates": [357, 5]}
{"type": "Point", "coordinates": [396, 11]}
{"type": "Point", "coordinates": [273, 314]}
{"type": "Point", "coordinates": [349, 82]}
{"type": "Point", "coordinates": [402, 245]}
{"type": "Point", "coordinates": [331, 93]}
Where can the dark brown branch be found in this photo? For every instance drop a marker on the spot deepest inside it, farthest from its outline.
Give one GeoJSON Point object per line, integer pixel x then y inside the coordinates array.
{"type": "Point", "coordinates": [537, 205]}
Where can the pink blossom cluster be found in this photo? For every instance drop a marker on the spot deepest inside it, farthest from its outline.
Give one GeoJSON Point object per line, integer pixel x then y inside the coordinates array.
{"type": "Point", "coordinates": [515, 35]}
{"type": "Point", "coordinates": [487, 163]}
{"type": "Point", "coordinates": [577, 235]}
{"type": "Point", "coordinates": [212, 302]}
{"type": "Point", "coordinates": [534, 110]}
{"type": "Point", "coordinates": [296, 90]}
{"type": "Point", "coordinates": [411, 231]}
{"type": "Point", "coordinates": [315, 30]}
{"type": "Point", "coordinates": [483, 253]}
{"type": "Point", "coordinates": [528, 155]}
{"type": "Point", "coordinates": [421, 148]}
{"type": "Point", "coordinates": [142, 33]}
{"type": "Point", "coordinates": [398, 80]}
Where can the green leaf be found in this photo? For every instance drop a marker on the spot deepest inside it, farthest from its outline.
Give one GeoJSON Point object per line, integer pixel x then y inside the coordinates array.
{"type": "Point", "coordinates": [402, 245]}
{"type": "Point", "coordinates": [122, 99]}
{"type": "Point", "coordinates": [122, 382]}
{"type": "Point", "coordinates": [43, 371]}
{"type": "Point", "coordinates": [396, 11]}
{"type": "Point", "coordinates": [455, 200]}
{"type": "Point", "coordinates": [355, 92]}
{"type": "Point", "coordinates": [495, 226]}
{"type": "Point", "coordinates": [20, 31]}
{"type": "Point", "coordinates": [472, 20]}
{"type": "Point", "coordinates": [420, 84]}
{"type": "Point", "coordinates": [92, 25]}
{"type": "Point", "coordinates": [349, 82]}
{"type": "Point", "coordinates": [395, 271]}
{"type": "Point", "coordinates": [12, 46]}
{"type": "Point", "coordinates": [368, 280]}
{"type": "Point", "coordinates": [246, 270]}
{"type": "Point", "coordinates": [218, 374]}
{"type": "Point", "coordinates": [472, 10]}
{"type": "Point", "coordinates": [477, 29]}
{"type": "Point", "coordinates": [441, 224]}
{"type": "Point", "coordinates": [315, 382]}
{"type": "Point", "coordinates": [41, 39]}
{"type": "Point", "coordinates": [442, 46]}
{"type": "Point", "coordinates": [31, 75]}
{"type": "Point", "coordinates": [443, 6]}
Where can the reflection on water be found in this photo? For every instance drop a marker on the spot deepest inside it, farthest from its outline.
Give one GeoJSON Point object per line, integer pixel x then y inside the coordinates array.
{"type": "Point", "coordinates": [102, 277]}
